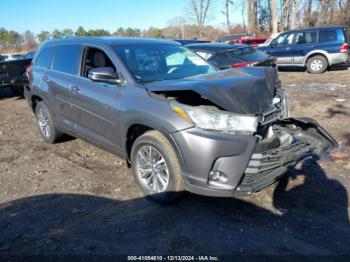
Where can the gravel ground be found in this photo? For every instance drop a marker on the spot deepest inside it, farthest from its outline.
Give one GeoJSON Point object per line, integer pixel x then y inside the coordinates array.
{"type": "Point", "coordinates": [73, 198]}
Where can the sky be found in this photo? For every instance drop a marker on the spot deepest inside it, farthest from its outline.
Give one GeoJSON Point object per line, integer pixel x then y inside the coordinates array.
{"type": "Point", "coordinates": [37, 15]}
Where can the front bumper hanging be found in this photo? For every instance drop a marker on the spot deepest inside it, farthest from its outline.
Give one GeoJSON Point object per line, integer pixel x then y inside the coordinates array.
{"type": "Point", "coordinates": [294, 140]}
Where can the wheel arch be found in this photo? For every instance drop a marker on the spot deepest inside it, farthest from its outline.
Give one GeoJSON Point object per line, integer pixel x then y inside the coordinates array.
{"type": "Point", "coordinates": [34, 100]}
{"type": "Point", "coordinates": [137, 128]}
{"type": "Point", "coordinates": [316, 53]}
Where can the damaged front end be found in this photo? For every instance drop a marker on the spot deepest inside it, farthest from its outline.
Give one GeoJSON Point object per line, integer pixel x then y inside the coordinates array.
{"type": "Point", "coordinates": [240, 122]}
{"type": "Point", "coordinates": [287, 141]}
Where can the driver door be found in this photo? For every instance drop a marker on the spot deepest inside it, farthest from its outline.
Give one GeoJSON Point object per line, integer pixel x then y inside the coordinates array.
{"type": "Point", "coordinates": [281, 48]}
{"type": "Point", "coordinates": [96, 105]}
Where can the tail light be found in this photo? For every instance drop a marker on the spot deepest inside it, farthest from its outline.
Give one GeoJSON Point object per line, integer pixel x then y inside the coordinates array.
{"type": "Point", "coordinates": [344, 48]}
{"type": "Point", "coordinates": [243, 64]}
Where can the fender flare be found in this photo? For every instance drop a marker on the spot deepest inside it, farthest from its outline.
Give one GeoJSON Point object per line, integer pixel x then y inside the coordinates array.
{"type": "Point", "coordinates": [161, 129]}
{"type": "Point", "coordinates": [316, 52]}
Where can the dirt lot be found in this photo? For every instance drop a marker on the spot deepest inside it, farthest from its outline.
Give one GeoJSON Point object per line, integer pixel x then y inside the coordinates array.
{"type": "Point", "coordinates": [72, 198]}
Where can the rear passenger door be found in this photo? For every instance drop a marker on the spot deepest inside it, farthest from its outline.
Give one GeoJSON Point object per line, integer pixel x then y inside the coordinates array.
{"type": "Point", "coordinates": [63, 71]}
{"type": "Point", "coordinates": [304, 42]}
{"type": "Point", "coordinates": [96, 104]}
{"type": "Point", "coordinates": [41, 65]}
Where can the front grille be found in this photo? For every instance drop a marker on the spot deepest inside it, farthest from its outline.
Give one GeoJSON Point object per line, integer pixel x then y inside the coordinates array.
{"type": "Point", "coordinates": [264, 168]}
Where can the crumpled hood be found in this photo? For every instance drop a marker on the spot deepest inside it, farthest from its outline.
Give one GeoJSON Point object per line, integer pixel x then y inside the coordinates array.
{"type": "Point", "coordinates": [248, 90]}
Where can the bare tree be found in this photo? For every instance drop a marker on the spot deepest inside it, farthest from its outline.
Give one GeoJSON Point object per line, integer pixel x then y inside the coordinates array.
{"type": "Point", "coordinates": [273, 16]}
{"type": "Point", "coordinates": [308, 19]}
{"type": "Point", "coordinates": [226, 12]}
{"type": "Point", "coordinates": [252, 17]}
{"type": "Point", "coordinates": [243, 10]}
{"type": "Point", "coordinates": [199, 9]}
{"type": "Point", "coordinates": [176, 27]}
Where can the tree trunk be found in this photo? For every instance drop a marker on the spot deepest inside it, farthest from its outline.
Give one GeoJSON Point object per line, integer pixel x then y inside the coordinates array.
{"type": "Point", "coordinates": [227, 14]}
{"type": "Point", "coordinates": [252, 18]}
{"type": "Point", "coordinates": [308, 13]}
{"type": "Point", "coordinates": [273, 17]}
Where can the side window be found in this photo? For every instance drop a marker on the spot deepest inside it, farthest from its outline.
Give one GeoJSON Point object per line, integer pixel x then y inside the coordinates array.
{"type": "Point", "coordinates": [307, 37]}
{"type": "Point", "coordinates": [299, 38]}
{"type": "Point", "coordinates": [234, 54]}
{"type": "Point", "coordinates": [310, 37]}
{"type": "Point", "coordinates": [175, 59]}
{"type": "Point", "coordinates": [285, 39]}
{"type": "Point", "coordinates": [44, 58]}
{"type": "Point", "coordinates": [94, 58]}
{"type": "Point", "coordinates": [328, 35]}
{"type": "Point", "coordinates": [65, 58]}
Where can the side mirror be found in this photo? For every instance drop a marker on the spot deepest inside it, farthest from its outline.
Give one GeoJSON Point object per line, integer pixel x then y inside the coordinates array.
{"type": "Point", "coordinates": [273, 43]}
{"type": "Point", "coordinates": [104, 75]}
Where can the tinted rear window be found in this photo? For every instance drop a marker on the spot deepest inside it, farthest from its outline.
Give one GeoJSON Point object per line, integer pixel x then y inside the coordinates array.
{"type": "Point", "coordinates": [247, 54]}
{"type": "Point", "coordinates": [65, 58]}
{"type": "Point", "coordinates": [328, 35]}
{"type": "Point", "coordinates": [44, 58]}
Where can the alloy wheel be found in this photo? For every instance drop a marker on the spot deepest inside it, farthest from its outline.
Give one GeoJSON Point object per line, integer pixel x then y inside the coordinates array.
{"type": "Point", "coordinates": [152, 169]}
{"type": "Point", "coordinates": [43, 122]}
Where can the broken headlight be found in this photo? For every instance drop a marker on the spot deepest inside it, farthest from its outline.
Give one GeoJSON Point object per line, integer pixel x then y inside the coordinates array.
{"type": "Point", "coordinates": [218, 120]}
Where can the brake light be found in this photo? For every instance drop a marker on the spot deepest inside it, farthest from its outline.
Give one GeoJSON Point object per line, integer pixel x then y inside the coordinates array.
{"type": "Point", "coordinates": [344, 48]}
{"type": "Point", "coordinates": [243, 64]}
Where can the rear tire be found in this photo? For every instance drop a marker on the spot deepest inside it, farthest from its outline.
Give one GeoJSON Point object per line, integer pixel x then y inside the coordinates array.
{"type": "Point", "coordinates": [317, 64]}
{"type": "Point", "coordinates": [163, 182]}
{"type": "Point", "coordinates": [45, 123]}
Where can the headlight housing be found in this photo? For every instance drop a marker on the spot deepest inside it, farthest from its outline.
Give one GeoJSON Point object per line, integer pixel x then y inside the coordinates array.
{"type": "Point", "coordinates": [210, 119]}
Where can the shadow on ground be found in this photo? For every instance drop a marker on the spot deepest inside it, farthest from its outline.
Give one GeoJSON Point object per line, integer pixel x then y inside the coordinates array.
{"type": "Point", "coordinates": [313, 219]}
{"type": "Point", "coordinates": [303, 69]}
{"type": "Point", "coordinates": [338, 110]}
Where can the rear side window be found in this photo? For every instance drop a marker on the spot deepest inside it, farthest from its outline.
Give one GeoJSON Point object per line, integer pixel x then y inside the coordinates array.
{"type": "Point", "coordinates": [44, 58]}
{"type": "Point", "coordinates": [328, 35]}
{"type": "Point", "coordinates": [65, 58]}
{"type": "Point", "coordinates": [307, 37]}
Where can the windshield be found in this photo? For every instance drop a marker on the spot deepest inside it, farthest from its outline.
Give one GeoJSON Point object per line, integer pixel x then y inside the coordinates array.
{"type": "Point", "coordinates": [159, 62]}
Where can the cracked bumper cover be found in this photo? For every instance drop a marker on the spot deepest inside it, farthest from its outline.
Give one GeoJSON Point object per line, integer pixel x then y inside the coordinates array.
{"type": "Point", "coordinates": [247, 164]}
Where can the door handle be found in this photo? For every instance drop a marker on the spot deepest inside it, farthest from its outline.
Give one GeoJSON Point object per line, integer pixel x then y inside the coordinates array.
{"type": "Point", "coordinates": [75, 89]}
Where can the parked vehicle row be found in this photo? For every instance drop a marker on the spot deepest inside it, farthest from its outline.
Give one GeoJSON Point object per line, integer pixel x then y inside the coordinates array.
{"type": "Point", "coordinates": [179, 122]}
{"type": "Point", "coordinates": [226, 56]}
{"type": "Point", "coordinates": [249, 40]}
{"type": "Point", "coordinates": [314, 48]}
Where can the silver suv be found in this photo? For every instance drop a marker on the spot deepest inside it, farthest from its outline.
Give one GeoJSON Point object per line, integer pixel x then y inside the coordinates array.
{"type": "Point", "coordinates": [178, 122]}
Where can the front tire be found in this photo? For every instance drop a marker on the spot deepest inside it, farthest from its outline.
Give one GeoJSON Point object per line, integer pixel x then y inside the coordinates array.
{"type": "Point", "coordinates": [45, 123]}
{"type": "Point", "coordinates": [317, 64]}
{"type": "Point", "coordinates": [156, 167]}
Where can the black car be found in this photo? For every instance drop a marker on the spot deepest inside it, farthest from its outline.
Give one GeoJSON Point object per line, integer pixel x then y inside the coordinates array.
{"type": "Point", "coordinates": [13, 74]}
{"type": "Point", "coordinates": [226, 56]}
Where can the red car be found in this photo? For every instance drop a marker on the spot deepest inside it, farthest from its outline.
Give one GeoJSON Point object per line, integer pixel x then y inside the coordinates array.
{"type": "Point", "coordinates": [252, 41]}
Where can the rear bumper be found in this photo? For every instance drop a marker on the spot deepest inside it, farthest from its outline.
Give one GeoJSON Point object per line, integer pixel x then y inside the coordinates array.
{"type": "Point", "coordinates": [338, 59]}
{"type": "Point", "coordinates": [293, 140]}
